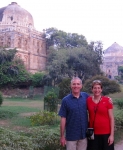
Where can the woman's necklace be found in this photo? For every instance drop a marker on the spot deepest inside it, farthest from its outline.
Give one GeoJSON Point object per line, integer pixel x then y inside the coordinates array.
{"type": "Point", "coordinates": [96, 100]}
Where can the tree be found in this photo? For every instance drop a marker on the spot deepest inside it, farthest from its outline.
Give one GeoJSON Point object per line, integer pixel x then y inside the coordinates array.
{"type": "Point", "coordinates": [72, 62]}
{"type": "Point", "coordinates": [62, 40]}
{"type": "Point", "coordinates": [64, 87]}
{"type": "Point", "coordinates": [7, 55]}
{"type": "Point", "coordinates": [12, 70]}
{"type": "Point", "coordinates": [109, 86]}
{"type": "Point", "coordinates": [69, 55]}
{"type": "Point", "coordinates": [97, 48]}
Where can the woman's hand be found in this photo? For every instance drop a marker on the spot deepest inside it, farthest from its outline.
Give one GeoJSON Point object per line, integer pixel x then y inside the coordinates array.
{"type": "Point", "coordinates": [111, 139]}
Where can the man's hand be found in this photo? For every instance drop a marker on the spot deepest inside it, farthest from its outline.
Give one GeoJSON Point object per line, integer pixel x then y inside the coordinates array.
{"type": "Point", "coordinates": [63, 141]}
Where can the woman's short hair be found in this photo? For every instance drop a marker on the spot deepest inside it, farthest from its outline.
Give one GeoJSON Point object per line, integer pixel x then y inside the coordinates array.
{"type": "Point", "coordinates": [96, 82]}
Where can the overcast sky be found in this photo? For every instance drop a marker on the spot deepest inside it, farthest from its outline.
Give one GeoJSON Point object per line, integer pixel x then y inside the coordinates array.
{"type": "Point", "coordinates": [100, 20]}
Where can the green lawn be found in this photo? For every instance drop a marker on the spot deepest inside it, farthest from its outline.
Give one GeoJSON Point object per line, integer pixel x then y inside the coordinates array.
{"type": "Point", "coordinates": [14, 112]}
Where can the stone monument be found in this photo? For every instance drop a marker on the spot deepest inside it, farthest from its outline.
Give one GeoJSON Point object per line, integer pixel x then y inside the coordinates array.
{"type": "Point", "coordinates": [17, 31]}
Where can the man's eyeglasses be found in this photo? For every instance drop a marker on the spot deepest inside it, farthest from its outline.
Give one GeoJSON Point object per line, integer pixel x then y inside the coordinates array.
{"type": "Point", "coordinates": [97, 81]}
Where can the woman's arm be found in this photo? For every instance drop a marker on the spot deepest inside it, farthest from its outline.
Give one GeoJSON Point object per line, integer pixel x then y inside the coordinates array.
{"type": "Point", "coordinates": [111, 117]}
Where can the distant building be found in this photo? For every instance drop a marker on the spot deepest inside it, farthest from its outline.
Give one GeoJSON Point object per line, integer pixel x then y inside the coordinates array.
{"type": "Point", "coordinates": [113, 57]}
{"type": "Point", "coordinates": [17, 31]}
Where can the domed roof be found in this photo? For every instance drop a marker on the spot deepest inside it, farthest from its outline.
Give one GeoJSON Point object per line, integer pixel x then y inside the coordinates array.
{"type": "Point", "coordinates": [14, 14]}
{"type": "Point", "coordinates": [114, 48]}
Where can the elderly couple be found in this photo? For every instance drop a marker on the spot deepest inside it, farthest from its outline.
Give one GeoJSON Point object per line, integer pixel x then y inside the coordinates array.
{"type": "Point", "coordinates": [74, 112]}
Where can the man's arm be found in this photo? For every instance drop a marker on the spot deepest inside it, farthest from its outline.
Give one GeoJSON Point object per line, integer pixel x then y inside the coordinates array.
{"type": "Point", "coordinates": [62, 131]}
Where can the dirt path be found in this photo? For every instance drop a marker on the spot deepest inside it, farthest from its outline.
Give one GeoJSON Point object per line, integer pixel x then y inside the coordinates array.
{"type": "Point", "coordinates": [119, 146]}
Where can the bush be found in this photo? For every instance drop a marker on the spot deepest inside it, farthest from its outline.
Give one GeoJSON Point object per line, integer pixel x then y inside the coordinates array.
{"type": "Point", "coordinates": [119, 103]}
{"type": "Point", "coordinates": [50, 101]}
{"type": "Point", "coordinates": [1, 98]}
{"type": "Point", "coordinates": [37, 79]}
{"type": "Point", "coordinates": [109, 86]}
{"type": "Point", "coordinates": [7, 114]}
{"type": "Point", "coordinates": [118, 115]}
{"type": "Point", "coordinates": [46, 138]}
{"type": "Point", "coordinates": [43, 118]}
{"type": "Point", "coordinates": [12, 141]}
{"type": "Point", "coordinates": [37, 138]}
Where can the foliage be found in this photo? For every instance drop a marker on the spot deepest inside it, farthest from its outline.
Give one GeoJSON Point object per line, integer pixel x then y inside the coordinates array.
{"type": "Point", "coordinates": [46, 138]}
{"type": "Point", "coordinates": [41, 138]}
{"type": "Point", "coordinates": [119, 103]}
{"type": "Point", "coordinates": [12, 69]}
{"type": "Point", "coordinates": [1, 98]}
{"type": "Point", "coordinates": [13, 74]}
{"type": "Point", "coordinates": [43, 118]}
{"type": "Point", "coordinates": [71, 62]}
{"type": "Point", "coordinates": [119, 78]}
{"type": "Point", "coordinates": [64, 87]}
{"type": "Point", "coordinates": [37, 79]}
{"type": "Point", "coordinates": [97, 48]}
{"type": "Point", "coordinates": [51, 101]}
{"type": "Point", "coordinates": [7, 114]}
{"type": "Point", "coordinates": [69, 54]}
{"type": "Point", "coordinates": [7, 55]}
{"type": "Point", "coordinates": [60, 39]}
{"type": "Point", "coordinates": [109, 86]}
{"type": "Point", "coordinates": [118, 115]}
{"type": "Point", "coordinates": [11, 140]}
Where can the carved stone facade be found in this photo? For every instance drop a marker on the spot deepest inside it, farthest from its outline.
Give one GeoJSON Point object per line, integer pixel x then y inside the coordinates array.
{"type": "Point", "coordinates": [113, 57]}
{"type": "Point", "coordinates": [17, 31]}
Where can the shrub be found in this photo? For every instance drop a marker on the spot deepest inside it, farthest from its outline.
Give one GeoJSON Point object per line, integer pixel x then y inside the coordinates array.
{"type": "Point", "coordinates": [119, 103]}
{"type": "Point", "coordinates": [50, 101]}
{"type": "Point", "coordinates": [37, 138]}
{"type": "Point", "coordinates": [43, 118]}
{"type": "Point", "coordinates": [45, 138]}
{"type": "Point", "coordinates": [109, 86]}
{"type": "Point", "coordinates": [1, 98]}
{"type": "Point", "coordinates": [37, 79]}
{"type": "Point", "coordinates": [7, 114]}
{"type": "Point", "coordinates": [118, 115]}
{"type": "Point", "coordinates": [10, 141]}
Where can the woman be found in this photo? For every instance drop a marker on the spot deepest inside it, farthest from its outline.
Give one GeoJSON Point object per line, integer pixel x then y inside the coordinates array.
{"type": "Point", "coordinates": [101, 118]}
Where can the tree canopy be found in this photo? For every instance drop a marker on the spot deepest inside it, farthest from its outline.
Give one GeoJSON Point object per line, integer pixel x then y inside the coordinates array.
{"type": "Point", "coordinates": [62, 40]}
{"type": "Point", "coordinates": [12, 70]}
{"type": "Point", "coordinates": [109, 86]}
{"type": "Point", "coordinates": [69, 54]}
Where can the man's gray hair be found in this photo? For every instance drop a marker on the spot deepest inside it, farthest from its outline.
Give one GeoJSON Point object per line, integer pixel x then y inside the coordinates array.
{"type": "Point", "coordinates": [74, 78]}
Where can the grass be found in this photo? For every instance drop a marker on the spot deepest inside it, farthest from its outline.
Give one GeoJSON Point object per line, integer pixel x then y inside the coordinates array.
{"type": "Point", "coordinates": [13, 111]}
{"type": "Point", "coordinates": [21, 121]}
{"type": "Point", "coordinates": [19, 109]}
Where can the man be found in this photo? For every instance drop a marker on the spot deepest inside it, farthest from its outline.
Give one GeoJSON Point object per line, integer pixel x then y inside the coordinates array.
{"type": "Point", "coordinates": [74, 119]}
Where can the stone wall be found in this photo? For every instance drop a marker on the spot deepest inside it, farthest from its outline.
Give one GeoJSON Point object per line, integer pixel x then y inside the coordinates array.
{"type": "Point", "coordinates": [21, 92]}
